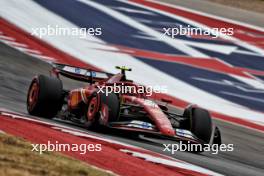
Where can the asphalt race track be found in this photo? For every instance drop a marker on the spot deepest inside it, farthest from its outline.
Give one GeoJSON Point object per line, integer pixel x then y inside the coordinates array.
{"type": "Point", "coordinates": [16, 72]}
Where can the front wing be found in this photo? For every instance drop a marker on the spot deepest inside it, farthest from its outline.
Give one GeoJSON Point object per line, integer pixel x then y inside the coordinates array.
{"type": "Point", "coordinates": [149, 129]}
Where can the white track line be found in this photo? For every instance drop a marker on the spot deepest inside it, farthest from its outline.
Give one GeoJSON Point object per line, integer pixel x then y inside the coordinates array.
{"type": "Point", "coordinates": [2, 37]}
{"type": "Point", "coordinates": [159, 158]}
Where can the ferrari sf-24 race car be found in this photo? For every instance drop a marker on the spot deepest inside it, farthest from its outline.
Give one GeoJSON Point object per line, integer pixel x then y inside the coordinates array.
{"type": "Point", "coordinates": [126, 111]}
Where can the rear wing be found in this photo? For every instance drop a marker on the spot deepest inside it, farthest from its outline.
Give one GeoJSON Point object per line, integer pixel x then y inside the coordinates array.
{"type": "Point", "coordinates": [79, 73]}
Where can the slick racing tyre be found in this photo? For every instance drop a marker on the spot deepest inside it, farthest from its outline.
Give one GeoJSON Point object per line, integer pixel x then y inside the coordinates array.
{"type": "Point", "coordinates": [44, 97]}
{"type": "Point", "coordinates": [110, 107]}
{"type": "Point", "coordinates": [91, 112]}
{"type": "Point", "coordinates": [201, 124]}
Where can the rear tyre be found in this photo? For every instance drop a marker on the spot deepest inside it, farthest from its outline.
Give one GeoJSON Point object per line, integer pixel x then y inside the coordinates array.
{"type": "Point", "coordinates": [91, 112]}
{"type": "Point", "coordinates": [110, 107]}
{"type": "Point", "coordinates": [45, 96]}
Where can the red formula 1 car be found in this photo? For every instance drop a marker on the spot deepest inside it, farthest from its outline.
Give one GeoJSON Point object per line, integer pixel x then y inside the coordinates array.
{"type": "Point", "coordinates": [93, 107]}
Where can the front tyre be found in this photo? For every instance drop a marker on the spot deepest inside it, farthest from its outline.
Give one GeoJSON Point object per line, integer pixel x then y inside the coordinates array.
{"type": "Point", "coordinates": [91, 112]}
{"type": "Point", "coordinates": [101, 109]}
{"type": "Point", "coordinates": [110, 108]}
{"type": "Point", "coordinates": [201, 124]}
{"type": "Point", "coordinates": [45, 96]}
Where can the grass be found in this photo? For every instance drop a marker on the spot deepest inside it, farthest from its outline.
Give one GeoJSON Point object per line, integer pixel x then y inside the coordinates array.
{"type": "Point", "coordinates": [17, 159]}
